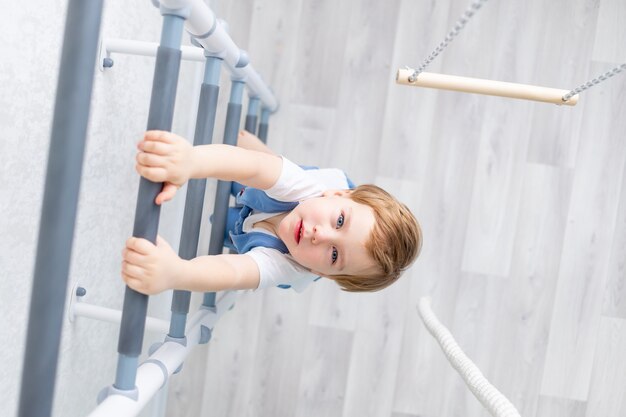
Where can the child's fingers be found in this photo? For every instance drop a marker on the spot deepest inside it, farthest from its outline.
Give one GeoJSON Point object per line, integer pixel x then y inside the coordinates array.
{"type": "Point", "coordinates": [150, 160]}
{"type": "Point", "coordinates": [133, 257]}
{"type": "Point", "coordinates": [160, 136]}
{"type": "Point", "coordinates": [139, 285]}
{"type": "Point", "coordinates": [246, 134]}
{"type": "Point", "coordinates": [159, 148]}
{"type": "Point", "coordinates": [132, 271]}
{"type": "Point", "coordinates": [154, 174]}
{"type": "Point", "coordinates": [167, 193]}
{"type": "Point", "coordinates": [139, 245]}
{"type": "Point", "coordinates": [133, 283]}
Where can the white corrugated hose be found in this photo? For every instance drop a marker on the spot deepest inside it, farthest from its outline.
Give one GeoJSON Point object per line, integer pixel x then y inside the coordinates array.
{"type": "Point", "coordinates": [493, 400]}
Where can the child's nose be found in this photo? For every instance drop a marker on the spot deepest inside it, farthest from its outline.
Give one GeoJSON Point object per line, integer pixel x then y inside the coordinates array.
{"type": "Point", "coordinates": [320, 234]}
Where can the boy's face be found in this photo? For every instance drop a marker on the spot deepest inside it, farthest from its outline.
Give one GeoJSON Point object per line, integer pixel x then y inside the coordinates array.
{"type": "Point", "coordinates": [328, 234]}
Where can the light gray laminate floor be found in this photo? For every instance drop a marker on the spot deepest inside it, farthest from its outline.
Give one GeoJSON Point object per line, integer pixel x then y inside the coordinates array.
{"type": "Point", "coordinates": [522, 204]}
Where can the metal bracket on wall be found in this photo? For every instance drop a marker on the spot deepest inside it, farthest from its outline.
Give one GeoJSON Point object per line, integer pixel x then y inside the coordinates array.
{"type": "Point", "coordinates": [79, 308]}
{"type": "Point", "coordinates": [110, 46]}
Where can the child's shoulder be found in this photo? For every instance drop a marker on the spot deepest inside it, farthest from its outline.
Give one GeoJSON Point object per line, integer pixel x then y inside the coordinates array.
{"type": "Point", "coordinates": [330, 178]}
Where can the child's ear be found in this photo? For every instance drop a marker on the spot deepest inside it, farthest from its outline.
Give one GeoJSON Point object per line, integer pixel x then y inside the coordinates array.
{"type": "Point", "coordinates": [336, 192]}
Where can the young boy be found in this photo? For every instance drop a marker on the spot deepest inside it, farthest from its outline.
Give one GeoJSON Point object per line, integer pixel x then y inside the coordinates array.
{"type": "Point", "coordinates": [362, 238]}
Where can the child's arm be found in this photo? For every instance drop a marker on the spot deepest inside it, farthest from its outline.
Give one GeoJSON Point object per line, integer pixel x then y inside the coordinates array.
{"type": "Point", "coordinates": [168, 158]}
{"type": "Point", "coordinates": [151, 269]}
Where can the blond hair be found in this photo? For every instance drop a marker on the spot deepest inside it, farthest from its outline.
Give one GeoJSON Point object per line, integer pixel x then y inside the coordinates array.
{"type": "Point", "coordinates": [394, 243]}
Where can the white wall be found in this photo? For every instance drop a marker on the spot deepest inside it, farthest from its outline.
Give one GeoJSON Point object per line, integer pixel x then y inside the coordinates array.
{"type": "Point", "coordinates": [30, 41]}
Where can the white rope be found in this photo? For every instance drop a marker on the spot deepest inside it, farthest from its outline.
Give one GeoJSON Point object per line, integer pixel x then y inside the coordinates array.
{"type": "Point", "coordinates": [595, 81]}
{"type": "Point", "coordinates": [493, 400]}
{"type": "Point", "coordinates": [458, 26]}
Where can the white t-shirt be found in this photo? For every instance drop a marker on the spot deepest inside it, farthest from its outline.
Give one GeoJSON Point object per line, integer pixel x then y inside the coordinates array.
{"type": "Point", "coordinates": [294, 184]}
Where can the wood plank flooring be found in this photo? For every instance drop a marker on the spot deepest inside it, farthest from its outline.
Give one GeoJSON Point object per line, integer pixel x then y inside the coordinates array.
{"type": "Point", "coordinates": [522, 204]}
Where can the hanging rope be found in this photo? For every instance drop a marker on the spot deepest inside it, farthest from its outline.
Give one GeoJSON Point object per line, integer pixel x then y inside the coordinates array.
{"type": "Point", "coordinates": [595, 81]}
{"type": "Point", "coordinates": [493, 400]}
{"type": "Point", "coordinates": [460, 24]}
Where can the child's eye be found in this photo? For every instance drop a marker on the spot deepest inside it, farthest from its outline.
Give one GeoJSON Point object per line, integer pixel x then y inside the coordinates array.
{"type": "Point", "coordinates": [340, 221]}
{"type": "Point", "coordinates": [335, 256]}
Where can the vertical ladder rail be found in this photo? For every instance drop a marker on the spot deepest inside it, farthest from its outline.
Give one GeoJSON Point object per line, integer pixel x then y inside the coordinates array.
{"type": "Point", "coordinates": [56, 230]}
{"type": "Point", "coordinates": [222, 195]}
{"type": "Point", "coordinates": [192, 218]}
{"type": "Point", "coordinates": [264, 124]}
{"type": "Point", "coordinates": [147, 213]}
{"type": "Point", "coordinates": [252, 115]}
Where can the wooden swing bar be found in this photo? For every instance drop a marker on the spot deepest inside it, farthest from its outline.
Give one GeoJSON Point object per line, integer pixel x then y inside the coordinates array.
{"type": "Point", "coordinates": [487, 87]}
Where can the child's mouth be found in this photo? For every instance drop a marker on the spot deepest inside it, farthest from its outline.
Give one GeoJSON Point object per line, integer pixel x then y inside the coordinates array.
{"type": "Point", "coordinates": [298, 232]}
